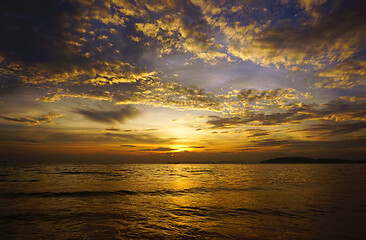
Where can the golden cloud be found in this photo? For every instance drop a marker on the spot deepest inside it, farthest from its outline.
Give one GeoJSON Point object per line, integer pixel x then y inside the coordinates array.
{"type": "Point", "coordinates": [344, 75]}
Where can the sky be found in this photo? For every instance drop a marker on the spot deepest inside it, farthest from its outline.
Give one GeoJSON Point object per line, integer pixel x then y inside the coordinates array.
{"type": "Point", "coordinates": [182, 81]}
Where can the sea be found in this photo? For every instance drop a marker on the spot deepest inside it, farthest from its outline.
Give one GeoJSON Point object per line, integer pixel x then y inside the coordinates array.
{"type": "Point", "coordinates": [183, 201]}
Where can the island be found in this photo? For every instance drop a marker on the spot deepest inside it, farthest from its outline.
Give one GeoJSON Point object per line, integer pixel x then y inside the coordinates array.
{"type": "Point", "coordinates": [310, 160]}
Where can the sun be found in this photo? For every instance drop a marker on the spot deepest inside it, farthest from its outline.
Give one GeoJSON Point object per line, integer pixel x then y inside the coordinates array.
{"type": "Point", "coordinates": [180, 148]}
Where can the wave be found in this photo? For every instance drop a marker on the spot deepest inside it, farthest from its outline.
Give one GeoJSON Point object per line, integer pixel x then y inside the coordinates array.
{"type": "Point", "coordinates": [198, 190]}
{"type": "Point", "coordinates": [79, 172]}
{"type": "Point", "coordinates": [19, 180]}
{"type": "Point", "coordinates": [65, 215]}
{"type": "Point", "coordinates": [200, 171]}
{"type": "Point", "coordinates": [233, 212]}
{"type": "Point", "coordinates": [5, 175]}
{"type": "Point", "coordinates": [67, 194]}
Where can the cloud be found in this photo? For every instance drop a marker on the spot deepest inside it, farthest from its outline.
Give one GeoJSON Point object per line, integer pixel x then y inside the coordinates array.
{"type": "Point", "coordinates": [68, 41]}
{"type": "Point", "coordinates": [313, 145]}
{"type": "Point", "coordinates": [115, 51]}
{"type": "Point", "coordinates": [353, 98]}
{"type": "Point", "coordinates": [30, 121]}
{"type": "Point", "coordinates": [39, 31]}
{"type": "Point", "coordinates": [250, 95]}
{"type": "Point", "coordinates": [118, 76]}
{"type": "Point", "coordinates": [255, 132]}
{"type": "Point", "coordinates": [344, 75]}
{"type": "Point", "coordinates": [337, 128]}
{"type": "Point", "coordinates": [293, 115]}
{"type": "Point", "coordinates": [112, 129]}
{"type": "Point", "coordinates": [185, 31]}
{"type": "Point", "coordinates": [337, 110]}
{"type": "Point", "coordinates": [335, 35]}
{"type": "Point", "coordinates": [159, 149]}
{"type": "Point", "coordinates": [310, 4]}
{"type": "Point", "coordinates": [109, 116]}
{"type": "Point", "coordinates": [26, 140]}
{"type": "Point", "coordinates": [96, 73]}
{"type": "Point", "coordinates": [155, 92]}
{"type": "Point", "coordinates": [94, 42]}
{"type": "Point", "coordinates": [128, 145]}
{"type": "Point", "coordinates": [344, 109]}
{"type": "Point", "coordinates": [58, 94]}
{"type": "Point", "coordinates": [149, 92]}
{"type": "Point", "coordinates": [270, 143]}
{"type": "Point", "coordinates": [196, 147]}
{"type": "Point", "coordinates": [139, 138]}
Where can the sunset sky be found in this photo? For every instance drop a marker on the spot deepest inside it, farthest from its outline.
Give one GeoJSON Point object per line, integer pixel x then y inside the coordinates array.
{"type": "Point", "coordinates": [172, 81]}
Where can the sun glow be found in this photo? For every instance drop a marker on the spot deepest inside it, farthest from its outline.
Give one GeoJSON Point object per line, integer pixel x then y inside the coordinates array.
{"type": "Point", "coordinates": [180, 148]}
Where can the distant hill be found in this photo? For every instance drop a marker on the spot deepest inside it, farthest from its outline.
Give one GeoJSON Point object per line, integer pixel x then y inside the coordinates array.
{"type": "Point", "coordinates": [309, 160]}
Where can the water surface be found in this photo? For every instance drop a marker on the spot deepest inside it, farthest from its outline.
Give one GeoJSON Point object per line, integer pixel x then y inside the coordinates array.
{"type": "Point", "coordinates": [183, 201]}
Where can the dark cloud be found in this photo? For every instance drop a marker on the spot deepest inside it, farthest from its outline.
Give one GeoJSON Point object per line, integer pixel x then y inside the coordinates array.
{"type": "Point", "coordinates": [128, 145]}
{"type": "Point", "coordinates": [34, 31]}
{"type": "Point", "coordinates": [26, 140]}
{"type": "Point", "coordinates": [340, 106]}
{"type": "Point", "coordinates": [248, 149]}
{"type": "Point", "coordinates": [337, 128]}
{"type": "Point", "coordinates": [109, 116]}
{"type": "Point", "coordinates": [139, 138]}
{"type": "Point", "coordinates": [346, 74]}
{"type": "Point", "coordinates": [313, 145]}
{"type": "Point", "coordinates": [46, 118]}
{"type": "Point", "coordinates": [193, 20]}
{"type": "Point", "coordinates": [340, 26]}
{"type": "Point", "coordinates": [20, 120]}
{"type": "Point", "coordinates": [270, 143]}
{"type": "Point", "coordinates": [290, 116]}
{"type": "Point", "coordinates": [112, 129]}
{"type": "Point", "coordinates": [250, 95]}
{"type": "Point", "coordinates": [295, 113]}
{"type": "Point", "coordinates": [159, 149]}
{"type": "Point", "coordinates": [53, 41]}
{"type": "Point", "coordinates": [257, 132]}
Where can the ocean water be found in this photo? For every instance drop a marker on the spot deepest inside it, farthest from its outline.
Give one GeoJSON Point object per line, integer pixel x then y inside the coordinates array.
{"type": "Point", "coordinates": [183, 201]}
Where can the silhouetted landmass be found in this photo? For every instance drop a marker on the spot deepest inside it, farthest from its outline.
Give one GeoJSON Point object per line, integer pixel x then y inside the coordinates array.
{"type": "Point", "coordinates": [309, 160]}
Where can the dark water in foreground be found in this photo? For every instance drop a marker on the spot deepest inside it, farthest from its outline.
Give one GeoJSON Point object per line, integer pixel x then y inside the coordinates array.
{"type": "Point", "coordinates": [183, 201]}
